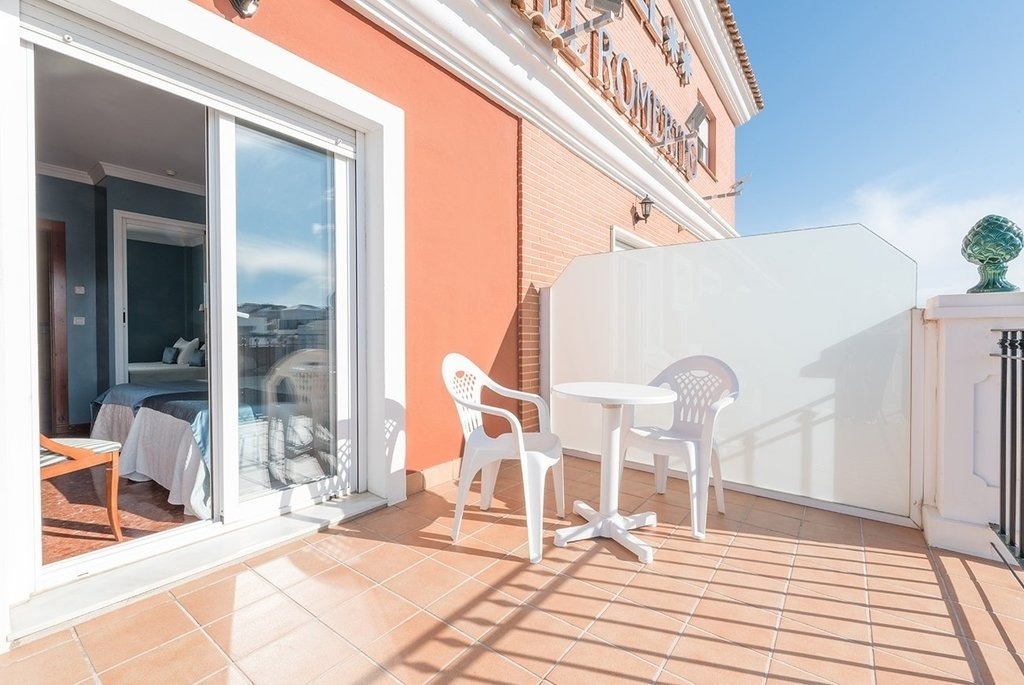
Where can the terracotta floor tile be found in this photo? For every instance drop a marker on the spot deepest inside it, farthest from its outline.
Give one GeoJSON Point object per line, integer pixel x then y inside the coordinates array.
{"type": "Point", "coordinates": [970, 592]}
{"type": "Point", "coordinates": [356, 669]}
{"type": "Point", "coordinates": [891, 669]}
{"type": "Point", "coordinates": [474, 608]}
{"type": "Point", "coordinates": [368, 615]}
{"type": "Point", "coordinates": [607, 566]}
{"type": "Point", "coordinates": [992, 629]}
{"type": "Point", "coordinates": [392, 522]}
{"type": "Point", "coordinates": [745, 625]}
{"type": "Point", "coordinates": [299, 656]}
{"type": "Point", "coordinates": [294, 567]}
{"type": "Point", "coordinates": [328, 589]}
{"type": "Point", "coordinates": [683, 563]}
{"type": "Point", "coordinates": [772, 522]}
{"type": "Point", "coordinates": [516, 576]}
{"type": "Point", "coordinates": [425, 582]}
{"type": "Point", "coordinates": [418, 649]}
{"type": "Point", "coordinates": [751, 588]}
{"type": "Point", "coordinates": [701, 657]}
{"type": "Point", "coordinates": [674, 597]}
{"type": "Point", "coordinates": [256, 625]}
{"type": "Point", "coordinates": [777, 506]}
{"type": "Point", "coordinates": [434, 537]}
{"type": "Point", "coordinates": [208, 578]}
{"type": "Point", "coordinates": [343, 545]}
{"type": "Point", "coordinates": [469, 555]}
{"type": "Point", "coordinates": [478, 664]}
{"type": "Point", "coordinates": [571, 600]}
{"type": "Point", "coordinates": [214, 601]}
{"type": "Point", "coordinates": [829, 656]}
{"type": "Point", "coordinates": [883, 535]}
{"type": "Point", "coordinates": [227, 676]}
{"type": "Point", "coordinates": [784, 674]}
{"type": "Point", "coordinates": [186, 660]}
{"type": "Point", "coordinates": [845, 619]}
{"type": "Point", "coordinates": [64, 662]}
{"type": "Point", "coordinates": [506, 534]}
{"type": "Point", "coordinates": [832, 583]}
{"type": "Point", "coordinates": [933, 612]}
{"type": "Point", "coordinates": [120, 614]}
{"type": "Point", "coordinates": [830, 518]}
{"type": "Point", "coordinates": [824, 558]}
{"type": "Point", "coordinates": [921, 644]}
{"type": "Point", "coordinates": [642, 631]}
{"type": "Point", "coordinates": [532, 639]}
{"type": "Point", "coordinates": [384, 561]}
{"type": "Point", "coordinates": [591, 661]}
{"type": "Point", "coordinates": [120, 640]}
{"type": "Point", "coordinates": [997, 665]}
{"type": "Point", "coordinates": [36, 645]}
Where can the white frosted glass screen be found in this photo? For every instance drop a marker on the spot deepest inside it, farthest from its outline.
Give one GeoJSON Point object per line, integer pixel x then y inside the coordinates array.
{"type": "Point", "coordinates": [816, 324]}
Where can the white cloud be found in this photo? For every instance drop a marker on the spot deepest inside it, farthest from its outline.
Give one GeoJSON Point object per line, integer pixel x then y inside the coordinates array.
{"type": "Point", "coordinates": [929, 227]}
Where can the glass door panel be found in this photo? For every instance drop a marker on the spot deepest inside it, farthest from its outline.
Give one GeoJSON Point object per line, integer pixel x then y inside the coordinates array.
{"type": "Point", "coordinates": [288, 322]}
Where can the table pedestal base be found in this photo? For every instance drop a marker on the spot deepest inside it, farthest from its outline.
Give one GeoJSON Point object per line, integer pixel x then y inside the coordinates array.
{"type": "Point", "coordinates": [616, 527]}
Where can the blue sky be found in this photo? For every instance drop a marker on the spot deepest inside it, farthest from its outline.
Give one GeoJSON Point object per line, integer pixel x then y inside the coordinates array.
{"type": "Point", "coordinates": [904, 115]}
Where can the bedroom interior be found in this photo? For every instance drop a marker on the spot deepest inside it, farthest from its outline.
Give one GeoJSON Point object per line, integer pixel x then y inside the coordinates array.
{"type": "Point", "coordinates": [121, 207]}
{"type": "Point", "coordinates": [123, 309]}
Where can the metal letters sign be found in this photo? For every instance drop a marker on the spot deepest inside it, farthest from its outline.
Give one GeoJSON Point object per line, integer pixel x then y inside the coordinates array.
{"type": "Point", "coordinates": [611, 70]}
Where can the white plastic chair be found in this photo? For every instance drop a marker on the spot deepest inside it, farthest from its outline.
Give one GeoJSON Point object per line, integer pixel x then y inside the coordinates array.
{"type": "Point", "coordinates": [705, 385]}
{"type": "Point", "coordinates": [536, 452]}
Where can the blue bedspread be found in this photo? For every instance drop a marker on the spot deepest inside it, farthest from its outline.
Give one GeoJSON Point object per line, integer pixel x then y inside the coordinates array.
{"type": "Point", "coordinates": [187, 401]}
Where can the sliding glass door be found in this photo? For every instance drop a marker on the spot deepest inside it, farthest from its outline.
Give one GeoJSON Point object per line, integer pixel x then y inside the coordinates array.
{"type": "Point", "coordinates": [294, 423]}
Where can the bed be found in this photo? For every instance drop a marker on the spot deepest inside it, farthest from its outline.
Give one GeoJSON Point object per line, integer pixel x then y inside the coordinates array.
{"type": "Point", "coordinates": [164, 430]}
{"type": "Point", "coordinates": [157, 372]}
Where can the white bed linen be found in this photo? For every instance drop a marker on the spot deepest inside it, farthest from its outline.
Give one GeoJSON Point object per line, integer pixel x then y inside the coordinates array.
{"type": "Point", "coordinates": [159, 447]}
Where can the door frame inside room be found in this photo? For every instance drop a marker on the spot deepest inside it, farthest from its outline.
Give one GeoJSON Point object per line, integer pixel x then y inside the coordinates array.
{"type": "Point", "coordinates": [136, 226]}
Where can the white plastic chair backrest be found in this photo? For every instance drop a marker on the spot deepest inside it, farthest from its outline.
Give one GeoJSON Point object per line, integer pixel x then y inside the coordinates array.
{"type": "Point", "coordinates": [699, 381]}
{"type": "Point", "coordinates": [464, 381]}
{"type": "Point", "coordinates": [308, 375]}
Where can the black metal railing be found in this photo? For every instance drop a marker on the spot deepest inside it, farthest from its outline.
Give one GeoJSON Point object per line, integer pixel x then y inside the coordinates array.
{"type": "Point", "coordinates": [1011, 410]}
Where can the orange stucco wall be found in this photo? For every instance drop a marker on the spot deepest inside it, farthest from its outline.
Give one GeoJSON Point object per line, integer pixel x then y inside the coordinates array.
{"type": "Point", "coordinates": [461, 204]}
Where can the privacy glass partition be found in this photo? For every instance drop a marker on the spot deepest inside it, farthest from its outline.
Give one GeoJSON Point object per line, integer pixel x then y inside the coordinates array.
{"type": "Point", "coordinates": [816, 323]}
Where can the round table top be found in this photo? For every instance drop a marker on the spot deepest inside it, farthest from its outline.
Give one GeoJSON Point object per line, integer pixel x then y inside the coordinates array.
{"type": "Point", "coordinates": [615, 393]}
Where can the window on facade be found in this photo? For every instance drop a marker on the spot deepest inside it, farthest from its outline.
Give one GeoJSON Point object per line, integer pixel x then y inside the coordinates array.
{"type": "Point", "coordinates": [704, 142]}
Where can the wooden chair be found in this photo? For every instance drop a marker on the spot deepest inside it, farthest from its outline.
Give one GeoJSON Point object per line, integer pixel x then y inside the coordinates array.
{"type": "Point", "coordinates": [57, 457]}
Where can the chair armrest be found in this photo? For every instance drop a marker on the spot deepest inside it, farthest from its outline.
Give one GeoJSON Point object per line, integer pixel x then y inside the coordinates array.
{"type": "Point", "coordinates": [708, 431]}
{"type": "Point", "coordinates": [723, 403]}
{"type": "Point", "coordinates": [513, 420]}
{"type": "Point", "coordinates": [543, 412]}
{"type": "Point", "coordinates": [64, 450]}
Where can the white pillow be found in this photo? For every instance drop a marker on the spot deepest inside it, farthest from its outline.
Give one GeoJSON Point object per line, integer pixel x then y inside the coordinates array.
{"type": "Point", "coordinates": [181, 343]}
{"type": "Point", "coordinates": [186, 351]}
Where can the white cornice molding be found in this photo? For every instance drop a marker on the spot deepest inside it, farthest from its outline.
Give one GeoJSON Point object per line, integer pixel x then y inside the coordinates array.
{"type": "Point", "coordinates": [68, 174]}
{"type": "Point", "coordinates": [487, 44]}
{"type": "Point", "coordinates": [702, 21]}
{"type": "Point", "coordinates": [103, 169]}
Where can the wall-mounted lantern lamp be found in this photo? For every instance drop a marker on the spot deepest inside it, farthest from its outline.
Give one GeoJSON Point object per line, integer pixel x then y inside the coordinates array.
{"type": "Point", "coordinates": [245, 8]}
{"type": "Point", "coordinates": [646, 205]}
{"type": "Point", "coordinates": [610, 10]}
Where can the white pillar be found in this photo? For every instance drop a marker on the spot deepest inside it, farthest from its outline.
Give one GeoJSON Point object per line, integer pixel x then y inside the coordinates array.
{"type": "Point", "coordinates": [962, 449]}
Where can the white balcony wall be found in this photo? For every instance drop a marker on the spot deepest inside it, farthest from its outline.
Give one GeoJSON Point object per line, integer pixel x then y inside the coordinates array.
{"type": "Point", "coordinates": [817, 325]}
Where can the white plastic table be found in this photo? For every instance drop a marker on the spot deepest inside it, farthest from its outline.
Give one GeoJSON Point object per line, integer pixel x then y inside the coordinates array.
{"type": "Point", "coordinates": [608, 522]}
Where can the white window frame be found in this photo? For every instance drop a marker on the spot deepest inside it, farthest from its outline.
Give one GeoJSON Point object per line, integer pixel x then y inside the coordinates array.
{"type": "Point", "coordinates": [622, 239]}
{"type": "Point", "coordinates": [198, 41]}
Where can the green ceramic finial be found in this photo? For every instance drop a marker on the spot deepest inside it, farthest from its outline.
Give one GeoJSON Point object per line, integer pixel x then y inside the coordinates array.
{"type": "Point", "coordinates": [991, 243]}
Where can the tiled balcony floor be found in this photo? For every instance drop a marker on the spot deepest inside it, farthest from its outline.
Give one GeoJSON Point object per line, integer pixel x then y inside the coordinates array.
{"type": "Point", "coordinates": [777, 593]}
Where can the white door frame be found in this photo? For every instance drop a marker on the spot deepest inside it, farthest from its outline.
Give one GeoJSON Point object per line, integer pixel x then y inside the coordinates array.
{"type": "Point", "coordinates": [209, 60]}
{"type": "Point", "coordinates": [192, 234]}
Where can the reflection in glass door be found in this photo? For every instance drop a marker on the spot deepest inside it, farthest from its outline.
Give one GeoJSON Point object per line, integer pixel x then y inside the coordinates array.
{"type": "Point", "coordinates": [293, 328]}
